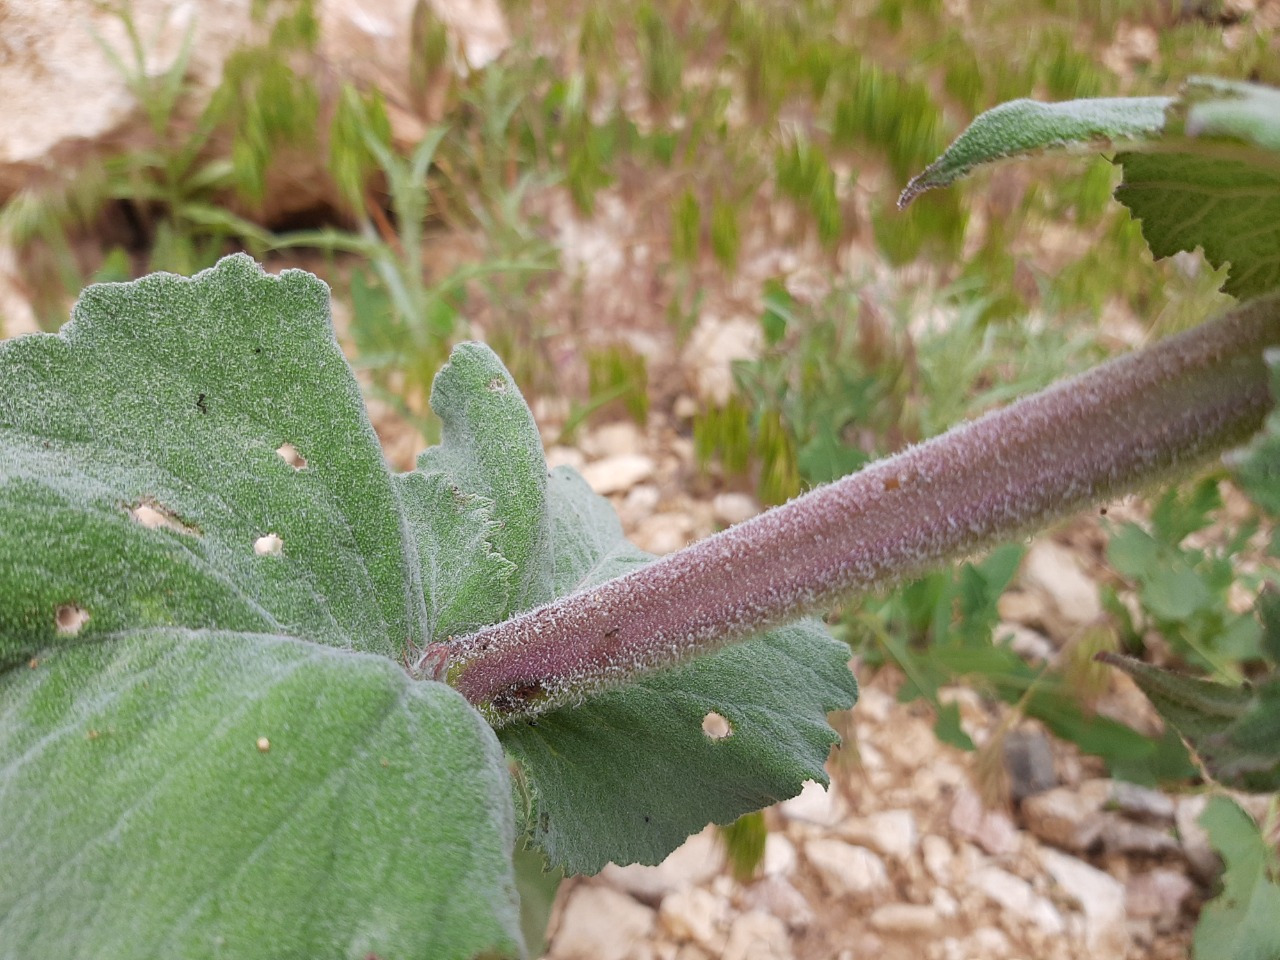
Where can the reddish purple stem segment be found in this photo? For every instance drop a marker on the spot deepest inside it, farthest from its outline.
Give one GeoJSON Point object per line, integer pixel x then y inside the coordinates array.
{"type": "Point", "coordinates": [1126, 423]}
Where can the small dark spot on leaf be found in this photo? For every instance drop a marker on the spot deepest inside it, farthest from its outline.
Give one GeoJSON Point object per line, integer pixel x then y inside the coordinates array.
{"type": "Point", "coordinates": [892, 483]}
{"type": "Point", "coordinates": [1103, 511]}
{"type": "Point", "coordinates": [257, 349]}
{"type": "Point", "coordinates": [200, 404]}
{"type": "Point", "coordinates": [544, 822]}
{"type": "Point", "coordinates": [647, 818]}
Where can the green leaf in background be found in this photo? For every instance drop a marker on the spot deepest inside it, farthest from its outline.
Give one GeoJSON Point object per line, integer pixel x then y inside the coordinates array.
{"type": "Point", "coordinates": [629, 774]}
{"type": "Point", "coordinates": [1258, 465]}
{"type": "Point", "coordinates": [743, 842]}
{"type": "Point", "coordinates": [1240, 923]}
{"type": "Point", "coordinates": [1268, 608]}
{"type": "Point", "coordinates": [779, 311]}
{"type": "Point", "coordinates": [1245, 112]}
{"type": "Point", "coordinates": [1171, 588]}
{"type": "Point", "coordinates": [212, 763]}
{"type": "Point", "coordinates": [1023, 127]}
{"type": "Point", "coordinates": [1228, 205]}
{"type": "Point", "coordinates": [1200, 170]}
{"type": "Point", "coordinates": [1234, 729]}
{"type": "Point", "coordinates": [1183, 590]}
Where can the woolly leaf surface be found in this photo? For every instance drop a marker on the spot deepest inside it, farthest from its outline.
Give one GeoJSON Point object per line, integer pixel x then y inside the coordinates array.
{"type": "Point", "coordinates": [205, 745]}
{"type": "Point", "coordinates": [1023, 127]}
{"type": "Point", "coordinates": [140, 479]}
{"type": "Point", "coordinates": [178, 793]}
{"type": "Point", "coordinates": [1200, 170]}
{"type": "Point", "coordinates": [491, 449]}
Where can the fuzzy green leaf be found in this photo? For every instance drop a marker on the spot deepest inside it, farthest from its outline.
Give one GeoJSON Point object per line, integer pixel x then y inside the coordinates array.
{"type": "Point", "coordinates": [1200, 170]}
{"type": "Point", "coordinates": [465, 581]}
{"type": "Point", "coordinates": [1240, 923]}
{"type": "Point", "coordinates": [140, 469]}
{"type": "Point", "coordinates": [1022, 127]}
{"type": "Point", "coordinates": [629, 774]}
{"type": "Point", "coordinates": [176, 793]}
{"type": "Point", "coordinates": [492, 450]}
{"type": "Point", "coordinates": [231, 594]}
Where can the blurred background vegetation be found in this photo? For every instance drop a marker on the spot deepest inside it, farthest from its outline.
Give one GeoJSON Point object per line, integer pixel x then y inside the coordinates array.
{"type": "Point", "coordinates": [730, 158]}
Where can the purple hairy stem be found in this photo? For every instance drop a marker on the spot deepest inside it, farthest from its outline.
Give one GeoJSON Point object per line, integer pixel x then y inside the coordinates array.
{"type": "Point", "coordinates": [1124, 424]}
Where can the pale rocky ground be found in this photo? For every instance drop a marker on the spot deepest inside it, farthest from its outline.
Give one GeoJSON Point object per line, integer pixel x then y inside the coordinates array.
{"type": "Point", "coordinates": [900, 858]}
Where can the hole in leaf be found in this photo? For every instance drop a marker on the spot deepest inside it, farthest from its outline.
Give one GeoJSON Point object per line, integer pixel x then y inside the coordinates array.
{"type": "Point", "coordinates": [290, 455]}
{"type": "Point", "coordinates": [148, 516]}
{"type": "Point", "coordinates": [263, 744]}
{"type": "Point", "coordinates": [716, 727]}
{"type": "Point", "coordinates": [497, 385]}
{"type": "Point", "coordinates": [270, 545]}
{"type": "Point", "coordinates": [153, 516]}
{"type": "Point", "coordinates": [70, 618]}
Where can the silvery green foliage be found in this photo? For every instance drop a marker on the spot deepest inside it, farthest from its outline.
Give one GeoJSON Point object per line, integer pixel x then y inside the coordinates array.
{"type": "Point", "coordinates": [210, 583]}
{"type": "Point", "coordinates": [1199, 169]}
{"type": "Point", "coordinates": [206, 745]}
{"type": "Point", "coordinates": [1021, 127]}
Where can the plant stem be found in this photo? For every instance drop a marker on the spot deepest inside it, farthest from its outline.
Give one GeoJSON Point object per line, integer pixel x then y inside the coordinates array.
{"type": "Point", "coordinates": [1127, 423]}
